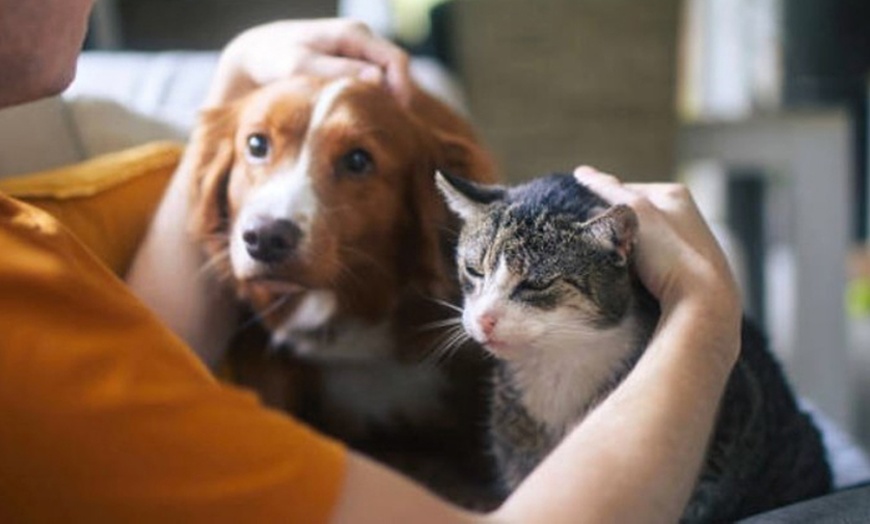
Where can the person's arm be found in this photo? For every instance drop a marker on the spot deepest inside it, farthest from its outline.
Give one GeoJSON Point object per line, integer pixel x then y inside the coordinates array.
{"type": "Point", "coordinates": [148, 434]}
{"type": "Point", "coordinates": [167, 272]}
{"type": "Point", "coordinates": [653, 427]}
{"type": "Point", "coordinates": [636, 457]}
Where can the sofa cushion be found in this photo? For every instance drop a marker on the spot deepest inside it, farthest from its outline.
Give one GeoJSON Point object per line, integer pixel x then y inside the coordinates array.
{"type": "Point", "coordinates": [107, 201]}
{"type": "Point", "coordinates": [36, 136]}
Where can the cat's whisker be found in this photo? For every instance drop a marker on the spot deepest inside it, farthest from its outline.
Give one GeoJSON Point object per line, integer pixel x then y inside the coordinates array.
{"type": "Point", "coordinates": [438, 324]}
{"type": "Point", "coordinates": [446, 304]}
{"type": "Point", "coordinates": [458, 339]}
{"type": "Point", "coordinates": [449, 342]}
{"type": "Point", "coordinates": [434, 355]}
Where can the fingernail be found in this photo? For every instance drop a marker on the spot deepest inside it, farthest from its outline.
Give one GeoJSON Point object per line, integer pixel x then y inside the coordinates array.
{"type": "Point", "coordinates": [371, 74]}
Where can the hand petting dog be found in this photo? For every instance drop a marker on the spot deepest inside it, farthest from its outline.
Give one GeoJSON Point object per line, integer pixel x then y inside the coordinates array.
{"type": "Point", "coordinates": [203, 313]}
{"type": "Point", "coordinates": [328, 48]}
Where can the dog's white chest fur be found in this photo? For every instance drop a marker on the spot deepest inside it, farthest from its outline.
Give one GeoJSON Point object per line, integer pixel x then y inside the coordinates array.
{"type": "Point", "coordinates": [362, 383]}
{"type": "Point", "coordinates": [312, 331]}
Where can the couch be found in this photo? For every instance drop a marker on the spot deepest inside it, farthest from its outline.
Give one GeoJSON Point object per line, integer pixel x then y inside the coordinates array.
{"type": "Point", "coordinates": [121, 100]}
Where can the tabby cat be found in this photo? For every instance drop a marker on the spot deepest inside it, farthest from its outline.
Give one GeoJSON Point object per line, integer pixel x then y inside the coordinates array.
{"type": "Point", "coordinates": [549, 289]}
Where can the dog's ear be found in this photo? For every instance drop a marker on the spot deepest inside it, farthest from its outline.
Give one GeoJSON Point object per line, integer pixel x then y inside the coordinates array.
{"type": "Point", "coordinates": [463, 157]}
{"type": "Point", "coordinates": [457, 149]}
{"type": "Point", "coordinates": [211, 153]}
{"type": "Point", "coordinates": [450, 146]}
{"type": "Point", "coordinates": [429, 256]}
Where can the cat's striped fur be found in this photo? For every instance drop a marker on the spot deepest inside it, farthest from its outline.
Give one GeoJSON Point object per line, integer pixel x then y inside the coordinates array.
{"type": "Point", "coordinates": [547, 276]}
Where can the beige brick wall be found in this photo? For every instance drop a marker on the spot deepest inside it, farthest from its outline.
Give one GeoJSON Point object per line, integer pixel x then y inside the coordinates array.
{"type": "Point", "coordinates": [555, 83]}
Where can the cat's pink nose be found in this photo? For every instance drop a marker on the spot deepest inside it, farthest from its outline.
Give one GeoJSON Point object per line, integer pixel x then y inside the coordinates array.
{"type": "Point", "coordinates": [487, 323]}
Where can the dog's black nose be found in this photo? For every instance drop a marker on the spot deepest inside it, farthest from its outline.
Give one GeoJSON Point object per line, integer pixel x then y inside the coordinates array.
{"type": "Point", "coordinates": [271, 240]}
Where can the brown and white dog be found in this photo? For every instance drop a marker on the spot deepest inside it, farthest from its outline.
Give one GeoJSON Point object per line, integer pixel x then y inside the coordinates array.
{"type": "Point", "coordinates": [316, 199]}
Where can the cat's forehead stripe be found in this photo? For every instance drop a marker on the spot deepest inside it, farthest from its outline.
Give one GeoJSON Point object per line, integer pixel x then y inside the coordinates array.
{"type": "Point", "coordinates": [503, 278]}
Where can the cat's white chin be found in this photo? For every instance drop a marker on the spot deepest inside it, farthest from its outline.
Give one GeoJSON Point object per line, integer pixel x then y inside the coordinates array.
{"type": "Point", "coordinates": [501, 349]}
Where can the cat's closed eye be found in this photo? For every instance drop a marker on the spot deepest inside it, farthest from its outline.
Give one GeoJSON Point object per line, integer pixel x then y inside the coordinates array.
{"type": "Point", "coordinates": [535, 285]}
{"type": "Point", "coordinates": [472, 271]}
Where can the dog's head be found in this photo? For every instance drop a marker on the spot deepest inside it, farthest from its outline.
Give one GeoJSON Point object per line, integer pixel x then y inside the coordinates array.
{"type": "Point", "coordinates": [317, 197]}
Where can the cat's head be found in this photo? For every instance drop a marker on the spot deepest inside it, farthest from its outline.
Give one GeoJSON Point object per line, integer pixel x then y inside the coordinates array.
{"type": "Point", "coordinates": [541, 265]}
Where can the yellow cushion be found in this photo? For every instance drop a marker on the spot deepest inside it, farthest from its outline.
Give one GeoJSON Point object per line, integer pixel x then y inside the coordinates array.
{"type": "Point", "coordinates": [107, 202]}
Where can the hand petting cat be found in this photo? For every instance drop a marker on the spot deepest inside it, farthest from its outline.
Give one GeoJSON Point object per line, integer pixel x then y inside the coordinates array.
{"type": "Point", "coordinates": [586, 356]}
{"type": "Point", "coordinates": [677, 256]}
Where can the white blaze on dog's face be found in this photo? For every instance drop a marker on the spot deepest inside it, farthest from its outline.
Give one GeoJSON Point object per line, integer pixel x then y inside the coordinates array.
{"type": "Point", "coordinates": [287, 195]}
{"type": "Point", "coordinates": [318, 169]}
{"type": "Point", "coordinates": [319, 198]}
{"type": "Point", "coordinates": [316, 198]}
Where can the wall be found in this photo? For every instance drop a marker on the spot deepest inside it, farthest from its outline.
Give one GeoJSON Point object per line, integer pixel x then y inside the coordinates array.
{"type": "Point", "coordinates": [555, 83]}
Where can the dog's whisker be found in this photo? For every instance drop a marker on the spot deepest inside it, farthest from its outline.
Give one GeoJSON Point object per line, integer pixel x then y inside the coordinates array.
{"type": "Point", "coordinates": [216, 265]}
{"type": "Point", "coordinates": [366, 257]}
{"type": "Point", "coordinates": [345, 270]}
{"type": "Point", "coordinates": [337, 208]}
{"type": "Point", "coordinates": [218, 235]}
{"type": "Point", "coordinates": [261, 315]}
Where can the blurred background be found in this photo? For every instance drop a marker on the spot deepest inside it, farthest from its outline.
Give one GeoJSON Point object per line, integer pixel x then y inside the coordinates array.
{"type": "Point", "coordinates": [759, 105]}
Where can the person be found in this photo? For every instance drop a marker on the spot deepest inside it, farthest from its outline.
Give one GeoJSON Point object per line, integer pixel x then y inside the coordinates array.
{"type": "Point", "coordinates": [108, 416]}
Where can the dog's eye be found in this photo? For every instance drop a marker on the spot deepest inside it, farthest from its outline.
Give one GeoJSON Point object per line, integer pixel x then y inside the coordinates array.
{"type": "Point", "coordinates": [258, 146]}
{"type": "Point", "coordinates": [357, 161]}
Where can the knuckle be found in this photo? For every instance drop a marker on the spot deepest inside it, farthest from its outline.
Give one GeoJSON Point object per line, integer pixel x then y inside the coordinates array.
{"type": "Point", "coordinates": [609, 179]}
{"type": "Point", "coordinates": [597, 178]}
{"type": "Point", "coordinates": [358, 26]}
{"type": "Point", "coordinates": [678, 192]}
{"type": "Point", "coordinates": [402, 58]}
{"type": "Point", "coordinates": [640, 203]}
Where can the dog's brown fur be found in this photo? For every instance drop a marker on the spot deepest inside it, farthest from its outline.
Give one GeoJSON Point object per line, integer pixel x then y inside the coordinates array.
{"type": "Point", "coordinates": [382, 243]}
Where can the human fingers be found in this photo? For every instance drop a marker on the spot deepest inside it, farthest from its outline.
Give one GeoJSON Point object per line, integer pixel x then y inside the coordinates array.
{"type": "Point", "coordinates": [676, 253]}
{"type": "Point", "coordinates": [328, 47]}
{"type": "Point", "coordinates": [655, 250]}
{"type": "Point", "coordinates": [666, 197]}
{"type": "Point", "coordinates": [353, 39]}
{"type": "Point", "coordinates": [636, 196]}
{"type": "Point", "coordinates": [673, 201]}
{"type": "Point", "coordinates": [679, 208]}
{"type": "Point", "coordinates": [603, 184]}
{"type": "Point", "coordinates": [336, 67]}
{"type": "Point", "coordinates": [669, 197]}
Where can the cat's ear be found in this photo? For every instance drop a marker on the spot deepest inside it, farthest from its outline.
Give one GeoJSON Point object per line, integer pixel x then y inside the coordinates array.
{"type": "Point", "coordinates": [616, 230]}
{"type": "Point", "coordinates": [464, 197]}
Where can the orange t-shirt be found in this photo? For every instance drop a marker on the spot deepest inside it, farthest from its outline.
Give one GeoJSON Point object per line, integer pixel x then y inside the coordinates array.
{"type": "Point", "coordinates": [106, 416]}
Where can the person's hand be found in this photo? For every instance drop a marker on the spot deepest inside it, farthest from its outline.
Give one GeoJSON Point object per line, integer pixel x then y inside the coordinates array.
{"type": "Point", "coordinates": [676, 255]}
{"type": "Point", "coordinates": [330, 48]}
